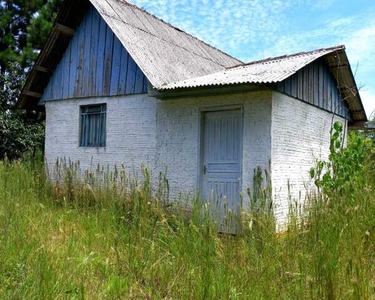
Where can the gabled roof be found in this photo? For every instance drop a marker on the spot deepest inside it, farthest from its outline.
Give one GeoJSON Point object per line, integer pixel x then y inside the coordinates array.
{"type": "Point", "coordinates": [174, 60]}
{"type": "Point", "coordinates": [164, 53]}
{"type": "Point", "coordinates": [277, 69]}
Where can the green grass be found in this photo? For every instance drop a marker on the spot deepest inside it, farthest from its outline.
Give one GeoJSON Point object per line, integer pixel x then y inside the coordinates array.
{"type": "Point", "coordinates": [74, 241]}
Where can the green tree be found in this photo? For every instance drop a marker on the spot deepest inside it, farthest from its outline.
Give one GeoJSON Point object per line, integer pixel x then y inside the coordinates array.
{"type": "Point", "coordinates": [24, 27]}
{"type": "Point", "coordinates": [38, 30]}
{"type": "Point", "coordinates": [19, 131]}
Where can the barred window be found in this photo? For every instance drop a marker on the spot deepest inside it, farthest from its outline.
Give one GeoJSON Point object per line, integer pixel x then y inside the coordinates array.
{"type": "Point", "coordinates": [93, 126]}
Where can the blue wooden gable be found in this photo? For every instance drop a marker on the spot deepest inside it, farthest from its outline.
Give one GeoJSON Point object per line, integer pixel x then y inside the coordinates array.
{"type": "Point", "coordinates": [95, 64]}
{"type": "Point", "coordinates": [316, 85]}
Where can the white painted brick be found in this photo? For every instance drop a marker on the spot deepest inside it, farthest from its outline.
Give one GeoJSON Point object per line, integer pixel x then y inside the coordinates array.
{"type": "Point", "coordinates": [131, 123]}
{"type": "Point", "coordinates": [165, 135]}
{"type": "Point", "coordinates": [300, 137]}
{"type": "Point", "coordinates": [161, 134]}
{"type": "Point", "coordinates": [178, 141]}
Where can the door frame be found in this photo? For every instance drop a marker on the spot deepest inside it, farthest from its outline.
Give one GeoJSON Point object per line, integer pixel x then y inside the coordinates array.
{"type": "Point", "coordinates": [202, 112]}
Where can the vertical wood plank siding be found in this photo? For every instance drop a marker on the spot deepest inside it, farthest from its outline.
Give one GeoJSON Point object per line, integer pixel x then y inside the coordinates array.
{"type": "Point", "coordinates": [315, 84]}
{"type": "Point", "coordinates": [95, 64]}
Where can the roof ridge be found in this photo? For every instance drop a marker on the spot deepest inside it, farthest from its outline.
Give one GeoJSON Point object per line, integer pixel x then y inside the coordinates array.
{"type": "Point", "coordinates": [178, 29]}
{"type": "Point", "coordinates": [275, 58]}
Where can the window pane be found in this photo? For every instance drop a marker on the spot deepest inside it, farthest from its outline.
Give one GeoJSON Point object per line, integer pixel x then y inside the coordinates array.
{"type": "Point", "coordinates": [93, 126]}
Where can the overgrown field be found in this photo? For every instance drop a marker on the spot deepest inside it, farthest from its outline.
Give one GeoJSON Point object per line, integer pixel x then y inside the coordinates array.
{"type": "Point", "coordinates": [75, 241]}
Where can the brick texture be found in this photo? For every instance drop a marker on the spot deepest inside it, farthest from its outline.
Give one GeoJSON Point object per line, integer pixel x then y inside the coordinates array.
{"type": "Point", "coordinates": [165, 135]}
{"type": "Point", "coordinates": [300, 137]}
{"type": "Point", "coordinates": [131, 123]}
{"type": "Point", "coordinates": [178, 137]}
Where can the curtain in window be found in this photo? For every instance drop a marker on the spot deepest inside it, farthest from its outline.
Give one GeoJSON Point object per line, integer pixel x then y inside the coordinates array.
{"type": "Point", "coordinates": [93, 126]}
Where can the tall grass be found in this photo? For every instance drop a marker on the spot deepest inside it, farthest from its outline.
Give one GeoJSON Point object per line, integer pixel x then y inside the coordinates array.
{"type": "Point", "coordinates": [118, 240]}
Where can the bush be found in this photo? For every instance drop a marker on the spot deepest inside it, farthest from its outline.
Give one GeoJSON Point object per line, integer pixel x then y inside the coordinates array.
{"type": "Point", "coordinates": [17, 137]}
{"type": "Point", "coordinates": [344, 172]}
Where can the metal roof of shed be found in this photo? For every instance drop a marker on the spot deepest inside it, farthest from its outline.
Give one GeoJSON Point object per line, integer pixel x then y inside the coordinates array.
{"type": "Point", "coordinates": [277, 69]}
{"type": "Point", "coordinates": [268, 70]}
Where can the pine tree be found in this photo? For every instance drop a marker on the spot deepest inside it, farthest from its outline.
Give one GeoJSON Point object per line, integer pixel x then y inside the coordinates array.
{"type": "Point", "coordinates": [38, 30]}
{"type": "Point", "coordinates": [24, 27]}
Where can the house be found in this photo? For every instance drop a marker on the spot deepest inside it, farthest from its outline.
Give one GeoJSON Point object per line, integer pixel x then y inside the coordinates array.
{"type": "Point", "coordinates": [119, 85]}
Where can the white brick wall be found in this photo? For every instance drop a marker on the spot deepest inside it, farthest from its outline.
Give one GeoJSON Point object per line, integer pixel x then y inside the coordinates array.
{"type": "Point", "coordinates": [300, 136]}
{"type": "Point", "coordinates": [161, 134]}
{"type": "Point", "coordinates": [131, 123]}
{"type": "Point", "coordinates": [166, 134]}
{"type": "Point", "coordinates": [178, 144]}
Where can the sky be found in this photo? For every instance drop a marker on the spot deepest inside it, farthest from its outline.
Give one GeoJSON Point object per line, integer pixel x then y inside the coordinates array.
{"type": "Point", "coordinates": [256, 29]}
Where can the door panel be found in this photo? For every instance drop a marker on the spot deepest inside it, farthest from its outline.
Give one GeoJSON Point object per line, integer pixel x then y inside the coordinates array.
{"type": "Point", "coordinates": [221, 162]}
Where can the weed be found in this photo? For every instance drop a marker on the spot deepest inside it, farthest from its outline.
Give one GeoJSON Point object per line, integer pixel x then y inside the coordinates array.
{"type": "Point", "coordinates": [120, 239]}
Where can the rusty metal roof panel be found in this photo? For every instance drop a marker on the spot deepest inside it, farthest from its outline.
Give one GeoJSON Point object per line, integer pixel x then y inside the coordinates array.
{"type": "Point", "coordinates": [269, 70]}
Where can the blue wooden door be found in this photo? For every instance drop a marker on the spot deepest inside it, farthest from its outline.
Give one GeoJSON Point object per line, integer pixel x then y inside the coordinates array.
{"type": "Point", "coordinates": [221, 163]}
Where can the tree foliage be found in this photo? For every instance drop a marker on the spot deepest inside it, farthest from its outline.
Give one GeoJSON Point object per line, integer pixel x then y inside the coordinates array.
{"type": "Point", "coordinates": [19, 132]}
{"type": "Point", "coordinates": [24, 27]}
{"type": "Point", "coordinates": [344, 169]}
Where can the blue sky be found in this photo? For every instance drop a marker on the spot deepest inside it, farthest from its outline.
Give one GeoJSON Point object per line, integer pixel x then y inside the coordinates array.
{"type": "Point", "coordinates": [256, 29]}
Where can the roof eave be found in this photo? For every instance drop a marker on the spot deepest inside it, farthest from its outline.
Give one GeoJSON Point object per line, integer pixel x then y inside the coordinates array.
{"type": "Point", "coordinates": [208, 90]}
{"type": "Point", "coordinates": [68, 19]}
{"type": "Point", "coordinates": [341, 70]}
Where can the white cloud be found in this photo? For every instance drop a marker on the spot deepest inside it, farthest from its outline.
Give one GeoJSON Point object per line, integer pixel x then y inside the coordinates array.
{"type": "Point", "coordinates": [233, 26]}
{"type": "Point", "coordinates": [321, 4]}
{"type": "Point", "coordinates": [340, 22]}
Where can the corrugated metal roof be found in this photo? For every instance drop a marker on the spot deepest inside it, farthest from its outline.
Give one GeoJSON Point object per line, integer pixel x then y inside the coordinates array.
{"type": "Point", "coordinates": [263, 71]}
{"type": "Point", "coordinates": [277, 69]}
{"type": "Point", "coordinates": [164, 53]}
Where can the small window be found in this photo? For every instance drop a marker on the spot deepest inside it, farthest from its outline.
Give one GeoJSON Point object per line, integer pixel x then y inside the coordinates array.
{"type": "Point", "coordinates": [93, 125]}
